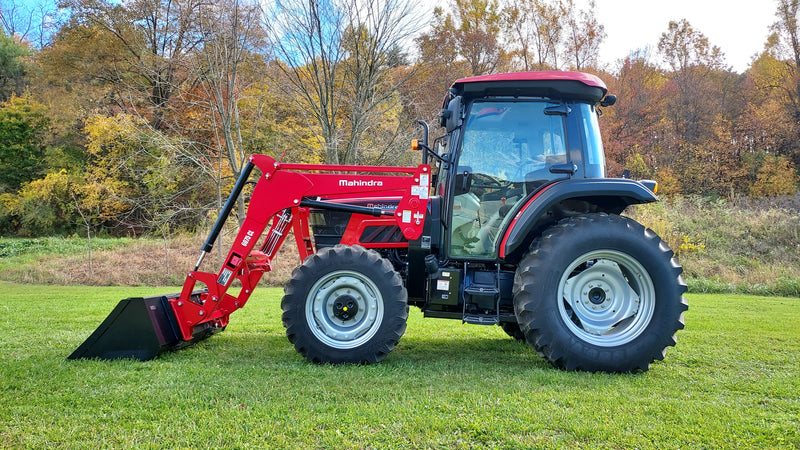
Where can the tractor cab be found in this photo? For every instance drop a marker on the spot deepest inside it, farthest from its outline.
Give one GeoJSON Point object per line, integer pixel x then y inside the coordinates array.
{"type": "Point", "coordinates": [508, 137]}
{"type": "Point", "coordinates": [521, 152]}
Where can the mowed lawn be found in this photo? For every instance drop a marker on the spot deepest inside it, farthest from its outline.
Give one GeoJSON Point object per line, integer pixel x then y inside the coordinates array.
{"type": "Point", "coordinates": [733, 381]}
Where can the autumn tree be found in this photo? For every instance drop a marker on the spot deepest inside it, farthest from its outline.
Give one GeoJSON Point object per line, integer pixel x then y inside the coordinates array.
{"type": "Point", "coordinates": [635, 124]}
{"type": "Point", "coordinates": [337, 61]}
{"type": "Point", "coordinates": [139, 178]}
{"type": "Point", "coordinates": [535, 30]}
{"type": "Point", "coordinates": [156, 35]}
{"type": "Point", "coordinates": [464, 39]}
{"type": "Point", "coordinates": [693, 63]}
{"type": "Point", "coordinates": [478, 35]}
{"type": "Point", "coordinates": [583, 35]}
{"type": "Point", "coordinates": [85, 71]}
{"type": "Point", "coordinates": [437, 66]}
{"type": "Point", "coordinates": [785, 41]}
{"type": "Point", "coordinates": [776, 73]}
{"type": "Point", "coordinates": [230, 35]}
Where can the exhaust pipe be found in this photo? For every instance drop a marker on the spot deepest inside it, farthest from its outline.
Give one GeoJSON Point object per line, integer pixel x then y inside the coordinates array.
{"type": "Point", "coordinates": [140, 328]}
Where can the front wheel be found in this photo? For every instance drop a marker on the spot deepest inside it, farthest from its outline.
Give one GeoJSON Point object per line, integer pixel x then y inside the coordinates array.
{"type": "Point", "coordinates": [345, 305]}
{"type": "Point", "coordinates": [600, 293]}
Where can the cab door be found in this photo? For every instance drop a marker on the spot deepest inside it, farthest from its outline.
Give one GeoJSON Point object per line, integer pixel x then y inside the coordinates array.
{"type": "Point", "coordinates": [506, 152]}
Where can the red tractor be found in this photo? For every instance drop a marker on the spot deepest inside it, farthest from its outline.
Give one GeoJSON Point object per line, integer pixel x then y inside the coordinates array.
{"type": "Point", "coordinates": [509, 220]}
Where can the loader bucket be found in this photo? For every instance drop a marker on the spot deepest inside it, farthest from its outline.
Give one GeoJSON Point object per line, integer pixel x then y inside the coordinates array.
{"type": "Point", "coordinates": [139, 328]}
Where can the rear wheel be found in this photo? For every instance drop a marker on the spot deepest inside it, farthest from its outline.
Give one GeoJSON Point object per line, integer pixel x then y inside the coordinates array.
{"type": "Point", "coordinates": [512, 329]}
{"type": "Point", "coordinates": [345, 305]}
{"type": "Point", "coordinates": [600, 293]}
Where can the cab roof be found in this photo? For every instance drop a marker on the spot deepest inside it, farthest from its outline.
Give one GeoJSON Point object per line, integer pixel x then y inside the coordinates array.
{"type": "Point", "coordinates": [551, 84]}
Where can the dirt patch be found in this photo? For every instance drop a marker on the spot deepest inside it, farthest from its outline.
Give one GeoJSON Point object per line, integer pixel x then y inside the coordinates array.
{"type": "Point", "coordinates": [144, 262]}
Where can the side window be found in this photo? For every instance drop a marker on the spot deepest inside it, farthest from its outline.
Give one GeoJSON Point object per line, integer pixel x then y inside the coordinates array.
{"type": "Point", "coordinates": [595, 155]}
{"type": "Point", "coordinates": [506, 150]}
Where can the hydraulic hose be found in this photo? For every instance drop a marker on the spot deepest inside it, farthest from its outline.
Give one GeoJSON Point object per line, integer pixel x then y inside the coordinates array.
{"type": "Point", "coordinates": [226, 210]}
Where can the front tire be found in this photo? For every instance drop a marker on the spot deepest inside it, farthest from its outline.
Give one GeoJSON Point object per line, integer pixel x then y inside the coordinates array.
{"type": "Point", "coordinates": [344, 304]}
{"type": "Point", "coordinates": [600, 293]}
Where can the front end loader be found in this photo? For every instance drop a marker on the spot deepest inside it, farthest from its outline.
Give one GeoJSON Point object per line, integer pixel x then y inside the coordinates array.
{"type": "Point", "coordinates": [141, 328]}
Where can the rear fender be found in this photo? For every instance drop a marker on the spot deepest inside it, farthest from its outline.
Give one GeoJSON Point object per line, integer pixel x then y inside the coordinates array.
{"type": "Point", "coordinates": [611, 195]}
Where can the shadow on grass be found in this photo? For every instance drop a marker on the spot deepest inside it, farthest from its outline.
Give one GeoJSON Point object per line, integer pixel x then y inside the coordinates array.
{"type": "Point", "coordinates": [412, 353]}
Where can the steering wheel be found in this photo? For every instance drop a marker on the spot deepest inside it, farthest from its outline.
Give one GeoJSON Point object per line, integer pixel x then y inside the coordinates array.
{"type": "Point", "coordinates": [482, 180]}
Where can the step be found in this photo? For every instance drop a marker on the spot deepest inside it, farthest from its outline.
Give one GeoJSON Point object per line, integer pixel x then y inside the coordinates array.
{"type": "Point", "coordinates": [481, 319]}
{"type": "Point", "coordinates": [481, 291]}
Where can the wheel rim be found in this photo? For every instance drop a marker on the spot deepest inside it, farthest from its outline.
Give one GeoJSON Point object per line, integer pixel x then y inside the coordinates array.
{"type": "Point", "coordinates": [607, 298]}
{"type": "Point", "coordinates": [344, 309]}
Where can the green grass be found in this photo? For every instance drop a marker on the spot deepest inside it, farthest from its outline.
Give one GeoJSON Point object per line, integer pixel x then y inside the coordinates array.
{"type": "Point", "coordinates": [36, 247]}
{"type": "Point", "coordinates": [738, 246]}
{"type": "Point", "coordinates": [732, 381]}
{"type": "Point", "coordinates": [15, 252]}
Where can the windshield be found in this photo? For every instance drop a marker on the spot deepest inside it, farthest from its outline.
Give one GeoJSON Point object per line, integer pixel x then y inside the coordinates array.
{"type": "Point", "coordinates": [506, 150]}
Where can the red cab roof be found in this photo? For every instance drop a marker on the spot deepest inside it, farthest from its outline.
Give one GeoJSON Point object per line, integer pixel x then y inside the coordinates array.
{"type": "Point", "coordinates": [554, 84]}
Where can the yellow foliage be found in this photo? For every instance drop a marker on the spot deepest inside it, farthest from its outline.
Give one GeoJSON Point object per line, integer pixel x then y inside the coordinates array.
{"type": "Point", "coordinates": [668, 182]}
{"type": "Point", "coordinates": [690, 245]}
{"type": "Point", "coordinates": [776, 176]}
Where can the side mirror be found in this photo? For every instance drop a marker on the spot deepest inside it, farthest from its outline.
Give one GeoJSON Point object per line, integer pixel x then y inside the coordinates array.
{"type": "Point", "coordinates": [567, 168]}
{"type": "Point", "coordinates": [609, 100]}
{"type": "Point", "coordinates": [450, 117]}
{"type": "Point", "coordinates": [463, 181]}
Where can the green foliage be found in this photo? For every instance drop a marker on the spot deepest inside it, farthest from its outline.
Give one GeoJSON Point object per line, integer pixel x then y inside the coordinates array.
{"type": "Point", "coordinates": [44, 206]}
{"type": "Point", "coordinates": [23, 133]}
{"type": "Point", "coordinates": [731, 382]}
{"type": "Point", "coordinates": [26, 249]}
{"type": "Point", "coordinates": [12, 68]}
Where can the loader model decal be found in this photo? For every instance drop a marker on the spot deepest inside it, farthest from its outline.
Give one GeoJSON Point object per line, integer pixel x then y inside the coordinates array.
{"type": "Point", "coordinates": [247, 238]}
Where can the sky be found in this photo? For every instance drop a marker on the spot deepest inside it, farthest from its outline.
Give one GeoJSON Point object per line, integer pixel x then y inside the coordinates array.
{"type": "Point", "coordinates": [739, 28]}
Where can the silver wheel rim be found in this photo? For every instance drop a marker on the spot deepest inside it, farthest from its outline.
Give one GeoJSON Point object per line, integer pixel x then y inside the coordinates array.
{"type": "Point", "coordinates": [607, 298]}
{"type": "Point", "coordinates": [332, 297]}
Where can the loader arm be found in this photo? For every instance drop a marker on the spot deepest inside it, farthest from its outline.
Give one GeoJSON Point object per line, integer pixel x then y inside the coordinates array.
{"type": "Point", "coordinates": [281, 197]}
{"type": "Point", "coordinates": [141, 328]}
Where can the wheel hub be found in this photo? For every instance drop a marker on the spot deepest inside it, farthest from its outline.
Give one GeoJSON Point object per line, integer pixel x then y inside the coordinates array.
{"type": "Point", "coordinates": [597, 295]}
{"type": "Point", "coordinates": [345, 308]}
{"type": "Point", "coordinates": [600, 297]}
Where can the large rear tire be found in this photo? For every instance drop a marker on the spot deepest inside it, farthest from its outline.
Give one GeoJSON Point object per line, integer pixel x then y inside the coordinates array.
{"type": "Point", "coordinates": [600, 293]}
{"type": "Point", "coordinates": [512, 329]}
{"type": "Point", "coordinates": [345, 305]}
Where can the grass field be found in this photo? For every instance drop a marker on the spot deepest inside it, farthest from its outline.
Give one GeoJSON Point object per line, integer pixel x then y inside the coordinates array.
{"type": "Point", "coordinates": [733, 381]}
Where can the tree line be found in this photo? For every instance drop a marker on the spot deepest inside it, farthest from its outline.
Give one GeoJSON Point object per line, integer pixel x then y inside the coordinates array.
{"type": "Point", "coordinates": [137, 116]}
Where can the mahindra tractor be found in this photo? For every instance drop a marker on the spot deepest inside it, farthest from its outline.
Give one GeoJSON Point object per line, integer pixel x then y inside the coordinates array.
{"type": "Point", "coordinates": [509, 220]}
